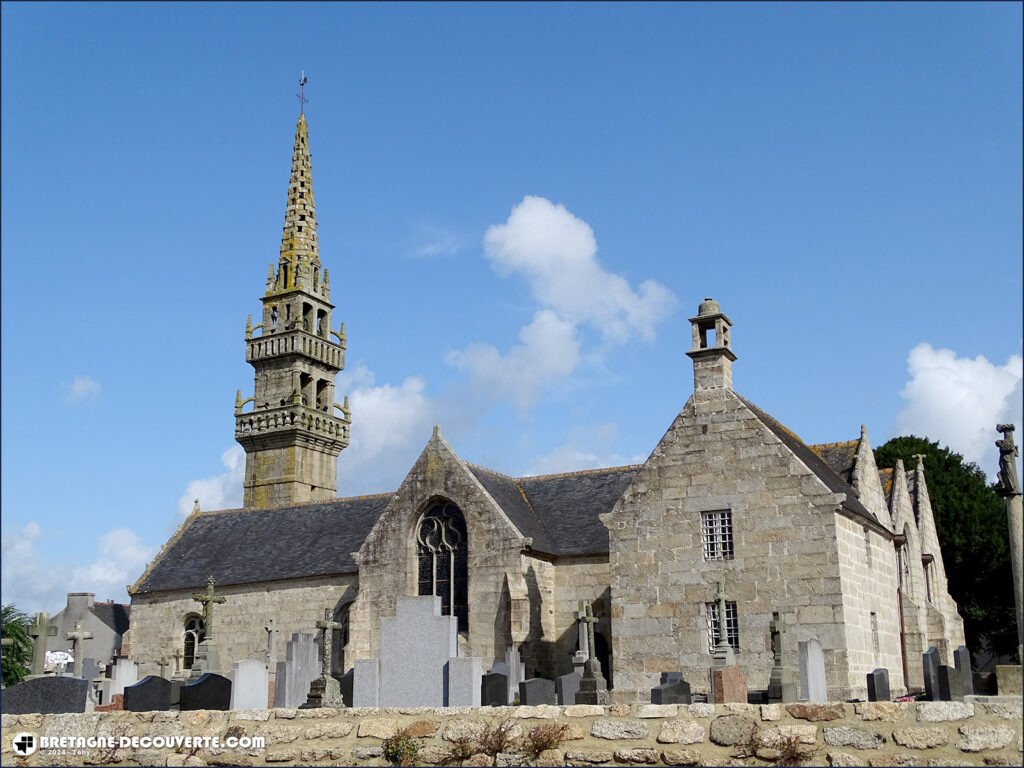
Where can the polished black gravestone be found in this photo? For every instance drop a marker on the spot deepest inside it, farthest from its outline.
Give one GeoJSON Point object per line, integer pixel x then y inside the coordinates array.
{"type": "Point", "coordinates": [494, 690]}
{"type": "Point", "coordinates": [345, 683]}
{"type": "Point", "coordinates": [671, 677]}
{"type": "Point", "coordinates": [536, 691]}
{"type": "Point", "coordinates": [931, 662]}
{"type": "Point", "coordinates": [950, 685]}
{"type": "Point", "coordinates": [210, 691]}
{"type": "Point", "coordinates": [48, 695]}
{"type": "Point", "coordinates": [151, 694]}
{"type": "Point", "coordinates": [878, 685]}
{"type": "Point", "coordinates": [671, 692]}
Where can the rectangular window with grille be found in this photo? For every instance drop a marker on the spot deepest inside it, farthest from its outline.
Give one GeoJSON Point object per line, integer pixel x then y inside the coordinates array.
{"type": "Point", "coordinates": [716, 533]}
{"type": "Point", "coordinates": [732, 630]}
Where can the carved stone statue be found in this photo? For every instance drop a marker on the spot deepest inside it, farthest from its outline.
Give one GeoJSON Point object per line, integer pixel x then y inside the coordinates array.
{"type": "Point", "coordinates": [1008, 483]}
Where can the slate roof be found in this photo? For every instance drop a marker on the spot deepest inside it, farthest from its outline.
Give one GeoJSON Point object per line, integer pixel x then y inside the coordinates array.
{"type": "Point", "coordinates": [242, 546]}
{"type": "Point", "coordinates": [886, 477]}
{"type": "Point", "coordinates": [839, 456]}
{"type": "Point", "coordinates": [114, 615]}
{"type": "Point", "coordinates": [812, 461]}
{"type": "Point", "coordinates": [561, 513]}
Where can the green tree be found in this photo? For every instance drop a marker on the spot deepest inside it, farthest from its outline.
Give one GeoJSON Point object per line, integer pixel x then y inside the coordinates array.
{"type": "Point", "coordinates": [17, 655]}
{"type": "Point", "coordinates": [970, 520]}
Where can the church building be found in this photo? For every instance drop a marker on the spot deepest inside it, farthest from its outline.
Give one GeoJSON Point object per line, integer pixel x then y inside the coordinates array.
{"type": "Point", "coordinates": [732, 533]}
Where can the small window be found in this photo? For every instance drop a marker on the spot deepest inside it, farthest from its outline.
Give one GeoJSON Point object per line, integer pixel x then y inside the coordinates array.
{"type": "Point", "coordinates": [716, 531]}
{"type": "Point", "coordinates": [732, 631]}
{"type": "Point", "coordinates": [195, 633]}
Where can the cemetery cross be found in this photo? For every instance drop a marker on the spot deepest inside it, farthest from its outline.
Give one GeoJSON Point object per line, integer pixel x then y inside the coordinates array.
{"type": "Point", "coordinates": [76, 639]}
{"type": "Point", "coordinates": [208, 598]}
{"type": "Point", "coordinates": [39, 630]}
{"type": "Point", "coordinates": [327, 626]}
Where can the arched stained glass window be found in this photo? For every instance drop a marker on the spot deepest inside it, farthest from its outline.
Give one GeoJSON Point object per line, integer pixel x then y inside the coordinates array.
{"type": "Point", "coordinates": [195, 633]}
{"type": "Point", "coordinates": [442, 559]}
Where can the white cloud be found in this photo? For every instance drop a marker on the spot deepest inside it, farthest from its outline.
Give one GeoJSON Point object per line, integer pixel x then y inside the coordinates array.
{"type": "Point", "coordinates": [557, 255]}
{"type": "Point", "coordinates": [222, 491]}
{"type": "Point", "coordinates": [958, 401]}
{"type": "Point", "coordinates": [82, 389]}
{"type": "Point", "coordinates": [434, 242]}
{"type": "Point", "coordinates": [550, 349]}
{"type": "Point", "coordinates": [33, 584]}
{"type": "Point", "coordinates": [390, 426]}
{"type": "Point", "coordinates": [587, 448]}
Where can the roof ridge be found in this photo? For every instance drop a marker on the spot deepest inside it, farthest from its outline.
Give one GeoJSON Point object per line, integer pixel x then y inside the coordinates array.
{"type": "Point", "coordinates": [300, 504]}
{"type": "Point", "coordinates": [488, 469]}
{"type": "Point", "coordinates": [839, 442]}
{"type": "Point", "coordinates": [593, 471]}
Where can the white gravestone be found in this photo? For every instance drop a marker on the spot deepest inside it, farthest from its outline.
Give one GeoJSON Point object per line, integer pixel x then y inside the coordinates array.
{"type": "Point", "coordinates": [249, 683]}
{"type": "Point", "coordinates": [812, 672]}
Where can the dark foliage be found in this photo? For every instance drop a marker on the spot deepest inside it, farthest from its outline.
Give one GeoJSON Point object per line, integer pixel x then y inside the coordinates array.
{"type": "Point", "coordinates": [970, 520]}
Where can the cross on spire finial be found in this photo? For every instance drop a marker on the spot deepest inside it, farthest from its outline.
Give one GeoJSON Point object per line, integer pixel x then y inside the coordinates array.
{"type": "Point", "coordinates": [302, 92]}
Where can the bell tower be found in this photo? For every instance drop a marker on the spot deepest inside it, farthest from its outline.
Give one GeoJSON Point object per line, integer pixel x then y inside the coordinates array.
{"type": "Point", "coordinates": [295, 430]}
{"type": "Point", "coordinates": [712, 353]}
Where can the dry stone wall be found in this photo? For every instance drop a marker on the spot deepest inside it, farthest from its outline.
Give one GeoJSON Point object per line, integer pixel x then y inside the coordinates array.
{"type": "Point", "coordinates": [980, 731]}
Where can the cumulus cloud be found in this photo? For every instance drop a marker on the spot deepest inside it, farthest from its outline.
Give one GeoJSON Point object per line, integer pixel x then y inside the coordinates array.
{"type": "Point", "coordinates": [390, 426]}
{"type": "Point", "coordinates": [82, 389]}
{"type": "Point", "coordinates": [959, 400]}
{"type": "Point", "coordinates": [223, 491]}
{"type": "Point", "coordinates": [586, 448]}
{"type": "Point", "coordinates": [34, 584]}
{"type": "Point", "coordinates": [556, 253]}
{"type": "Point", "coordinates": [549, 349]}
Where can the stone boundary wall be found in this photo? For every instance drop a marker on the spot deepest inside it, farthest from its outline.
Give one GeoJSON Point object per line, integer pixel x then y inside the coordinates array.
{"type": "Point", "coordinates": [980, 731]}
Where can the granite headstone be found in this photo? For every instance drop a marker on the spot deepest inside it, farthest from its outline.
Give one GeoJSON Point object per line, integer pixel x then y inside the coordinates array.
{"type": "Point", "coordinates": [210, 691]}
{"type": "Point", "coordinates": [462, 684]}
{"type": "Point", "coordinates": [150, 694]}
{"type": "Point", "coordinates": [878, 685]}
{"type": "Point", "coordinates": [962, 661]}
{"type": "Point", "coordinates": [729, 685]}
{"type": "Point", "coordinates": [812, 672]}
{"type": "Point", "coordinates": [294, 675]}
{"type": "Point", "coordinates": [48, 695]}
{"type": "Point", "coordinates": [537, 690]}
{"type": "Point", "coordinates": [949, 684]}
{"type": "Point", "coordinates": [415, 646]}
{"type": "Point", "coordinates": [566, 688]}
{"type": "Point", "coordinates": [494, 690]}
{"type": "Point", "coordinates": [674, 692]}
{"type": "Point", "coordinates": [931, 662]}
{"type": "Point", "coordinates": [250, 682]}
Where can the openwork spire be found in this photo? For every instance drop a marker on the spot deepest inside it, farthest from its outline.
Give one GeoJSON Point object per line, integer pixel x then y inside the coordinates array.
{"type": "Point", "coordinates": [298, 243]}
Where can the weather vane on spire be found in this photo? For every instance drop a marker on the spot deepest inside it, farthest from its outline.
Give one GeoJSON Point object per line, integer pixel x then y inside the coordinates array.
{"type": "Point", "coordinates": [302, 92]}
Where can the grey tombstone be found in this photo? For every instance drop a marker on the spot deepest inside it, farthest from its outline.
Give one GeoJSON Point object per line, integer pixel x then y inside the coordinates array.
{"type": "Point", "coordinates": [671, 677]}
{"type": "Point", "coordinates": [515, 669]}
{"type": "Point", "coordinates": [930, 661]}
{"type": "Point", "coordinates": [494, 689]}
{"type": "Point", "coordinates": [294, 675]}
{"type": "Point", "coordinates": [878, 685]}
{"type": "Point", "coordinates": [210, 691]}
{"type": "Point", "coordinates": [812, 672]}
{"type": "Point", "coordinates": [250, 681]}
{"type": "Point", "coordinates": [566, 688]}
{"type": "Point", "coordinates": [949, 684]}
{"type": "Point", "coordinates": [463, 682]}
{"type": "Point", "coordinates": [90, 669]}
{"type": "Point", "coordinates": [672, 692]}
{"type": "Point", "coordinates": [962, 660]}
{"type": "Point", "coordinates": [48, 695]}
{"type": "Point", "coordinates": [366, 683]}
{"type": "Point", "coordinates": [123, 673]}
{"type": "Point", "coordinates": [415, 646]}
{"type": "Point", "coordinates": [150, 694]}
{"type": "Point", "coordinates": [536, 691]}
{"type": "Point", "coordinates": [345, 683]}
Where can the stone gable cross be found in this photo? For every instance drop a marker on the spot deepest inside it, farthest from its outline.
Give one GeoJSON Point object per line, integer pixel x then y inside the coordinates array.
{"type": "Point", "coordinates": [78, 651]}
{"type": "Point", "coordinates": [208, 598]}
{"type": "Point", "coordinates": [328, 627]}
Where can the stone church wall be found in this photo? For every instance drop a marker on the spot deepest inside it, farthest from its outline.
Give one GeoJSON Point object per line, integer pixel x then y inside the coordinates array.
{"type": "Point", "coordinates": [870, 609]}
{"type": "Point", "coordinates": [158, 619]}
{"type": "Point", "coordinates": [579, 579]}
{"type": "Point", "coordinates": [981, 731]}
{"type": "Point", "coordinates": [718, 455]}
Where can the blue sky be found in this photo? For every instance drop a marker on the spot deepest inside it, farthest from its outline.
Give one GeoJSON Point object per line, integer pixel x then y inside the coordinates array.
{"type": "Point", "coordinates": [520, 205]}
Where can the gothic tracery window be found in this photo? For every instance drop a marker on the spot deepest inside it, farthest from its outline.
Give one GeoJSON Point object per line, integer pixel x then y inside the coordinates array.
{"type": "Point", "coordinates": [442, 559]}
{"type": "Point", "coordinates": [195, 633]}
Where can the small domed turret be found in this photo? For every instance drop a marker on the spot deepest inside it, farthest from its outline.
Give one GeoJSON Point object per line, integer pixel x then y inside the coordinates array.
{"type": "Point", "coordinates": [709, 307]}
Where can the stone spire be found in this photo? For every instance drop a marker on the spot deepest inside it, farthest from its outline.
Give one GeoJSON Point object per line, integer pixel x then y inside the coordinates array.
{"type": "Point", "coordinates": [298, 241]}
{"type": "Point", "coordinates": [295, 430]}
